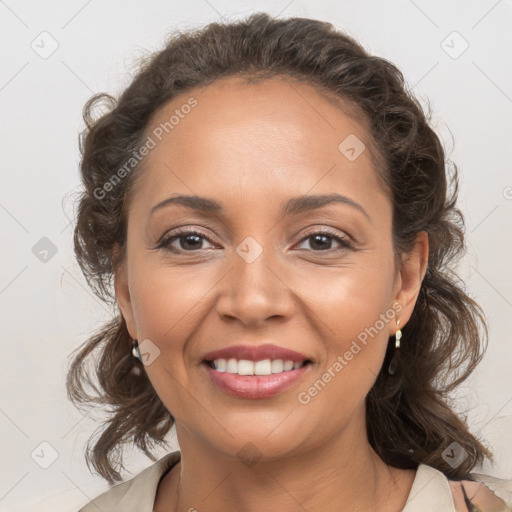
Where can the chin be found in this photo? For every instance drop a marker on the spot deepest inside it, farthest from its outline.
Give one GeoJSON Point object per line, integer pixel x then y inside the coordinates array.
{"type": "Point", "coordinates": [250, 447]}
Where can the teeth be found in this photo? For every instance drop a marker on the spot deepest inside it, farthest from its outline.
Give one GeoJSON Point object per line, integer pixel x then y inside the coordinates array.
{"type": "Point", "coordinates": [277, 366]}
{"type": "Point", "coordinates": [288, 365]}
{"type": "Point", "coordinates": [264, 367]}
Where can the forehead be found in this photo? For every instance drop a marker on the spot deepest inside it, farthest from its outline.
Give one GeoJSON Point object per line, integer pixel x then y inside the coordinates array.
{"type": "Point", "coordinates": [263, 139]}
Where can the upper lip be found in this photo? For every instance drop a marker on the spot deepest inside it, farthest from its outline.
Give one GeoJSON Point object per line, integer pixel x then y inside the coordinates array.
{"type": "Point", "coordinates": [256, 353]}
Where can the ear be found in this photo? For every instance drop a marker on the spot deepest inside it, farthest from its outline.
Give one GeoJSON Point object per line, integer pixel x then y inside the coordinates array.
{"type": "Point", "coordinates": [410, 276]}
{"type": "Point", "coordinates": [122, 291]}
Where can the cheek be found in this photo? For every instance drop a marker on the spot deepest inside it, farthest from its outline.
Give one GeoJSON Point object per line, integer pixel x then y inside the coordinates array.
{"type": "Point", "coordinates": [352, 298]}
{"type": "Point", "coordinates": [169, 305]}
{"type": "Point", "coordinates": [357, 317]}
{"type": "Point", "coordinates": [167, 301]}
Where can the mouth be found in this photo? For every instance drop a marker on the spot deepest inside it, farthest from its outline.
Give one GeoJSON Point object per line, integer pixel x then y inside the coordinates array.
{"type": "Point", "coordinates": [255, 380]}
{"type": "Point", "coordinates": [255, 371]}
{"type": "Point", "coordinates": [255, 368]}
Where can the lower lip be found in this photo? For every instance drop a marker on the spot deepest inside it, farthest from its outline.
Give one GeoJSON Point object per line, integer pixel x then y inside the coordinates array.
{"type": "Point", "coordinates": [256, 386]}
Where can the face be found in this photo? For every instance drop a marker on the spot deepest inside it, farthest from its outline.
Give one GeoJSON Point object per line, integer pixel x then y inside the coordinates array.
{"type": "Point", "coordinates": [316, 279]}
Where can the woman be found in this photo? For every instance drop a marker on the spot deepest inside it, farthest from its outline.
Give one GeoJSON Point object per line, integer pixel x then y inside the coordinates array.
{"type": "Point", "coordinates": [273, 213]}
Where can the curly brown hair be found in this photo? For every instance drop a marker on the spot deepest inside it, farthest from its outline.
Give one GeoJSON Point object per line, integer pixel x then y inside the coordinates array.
{"type": "Point", "coordinates": [409, 416]}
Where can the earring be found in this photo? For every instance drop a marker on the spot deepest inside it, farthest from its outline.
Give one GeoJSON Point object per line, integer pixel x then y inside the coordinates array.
{"type": "Point", "coordinates": [393, 365]}
{"type": "Point", "coordinates": [136, 351]}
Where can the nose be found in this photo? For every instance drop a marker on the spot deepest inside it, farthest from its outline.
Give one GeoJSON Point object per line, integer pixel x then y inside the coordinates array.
{"type": "Point", "coordinates": [255, 289]}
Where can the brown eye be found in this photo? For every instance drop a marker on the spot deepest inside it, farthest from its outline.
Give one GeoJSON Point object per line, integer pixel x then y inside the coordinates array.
{"type": "Point", "coordinates": [322, 241]}
{"type": "Point", "coordinates": [188, 241]}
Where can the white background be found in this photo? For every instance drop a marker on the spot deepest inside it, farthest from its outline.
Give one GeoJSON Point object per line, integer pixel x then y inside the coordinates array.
{"type": "Point", "coordinates": [47, 310]}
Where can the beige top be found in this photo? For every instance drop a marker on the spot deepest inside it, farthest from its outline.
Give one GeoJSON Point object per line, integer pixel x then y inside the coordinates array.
{"type": "Point", "coordinates": [431, 492]}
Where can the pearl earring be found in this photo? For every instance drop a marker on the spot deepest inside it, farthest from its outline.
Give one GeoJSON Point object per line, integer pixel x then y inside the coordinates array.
{"type": "Point", "coordinates": [393, 365]}
{"type": "Point", "coordinates": [136, 351]}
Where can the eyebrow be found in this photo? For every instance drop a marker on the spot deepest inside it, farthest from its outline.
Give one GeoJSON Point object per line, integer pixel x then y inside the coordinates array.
{"type": "Point", "coordinates": [293, 206]}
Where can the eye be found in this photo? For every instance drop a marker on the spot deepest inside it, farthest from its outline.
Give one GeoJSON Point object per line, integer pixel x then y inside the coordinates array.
{"type": "Point", "coordinates": [188, 240]}
{"type": "Point", "coordinates": [321, 241]}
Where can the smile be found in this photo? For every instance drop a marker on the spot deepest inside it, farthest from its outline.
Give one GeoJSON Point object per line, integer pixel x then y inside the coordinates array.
{"type": "Point", "coordinates": [255, 379]}
{"type": "Point", "coordinates": [263, 367]}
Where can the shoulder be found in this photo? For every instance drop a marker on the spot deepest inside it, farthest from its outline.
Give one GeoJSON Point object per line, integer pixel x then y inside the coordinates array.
{"type": "Point", "coordinates": [482, 493]}
{"type": "Point", "coordinates": [433, 490]}
{"type": "Point", "coordinates": [137, 494]}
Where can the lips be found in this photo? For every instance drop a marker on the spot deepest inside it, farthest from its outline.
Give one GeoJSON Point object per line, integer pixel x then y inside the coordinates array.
{"type": "Point", "coordinates": [256, 353]}
{"type": "Point", "coordinates": [256, 387]}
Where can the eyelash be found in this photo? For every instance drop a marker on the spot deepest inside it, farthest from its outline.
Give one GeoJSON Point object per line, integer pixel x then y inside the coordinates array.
{"type": "Point", "coordinates": [183, 233]}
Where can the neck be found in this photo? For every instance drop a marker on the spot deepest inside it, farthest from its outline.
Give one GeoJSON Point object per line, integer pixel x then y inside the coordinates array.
{"type": "Point", "coordinates": [344, 473]}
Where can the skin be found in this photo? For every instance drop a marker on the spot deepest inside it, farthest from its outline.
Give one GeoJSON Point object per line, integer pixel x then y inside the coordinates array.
{"type": "Point", "coordinates": [252, 147]}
